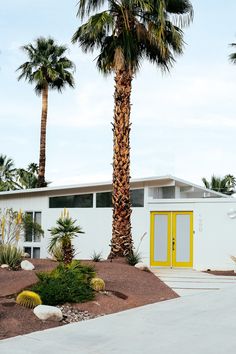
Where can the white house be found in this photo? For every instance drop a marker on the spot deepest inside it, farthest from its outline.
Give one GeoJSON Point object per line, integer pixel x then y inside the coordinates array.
{"type": "Point", "coordinates": [185, 225]}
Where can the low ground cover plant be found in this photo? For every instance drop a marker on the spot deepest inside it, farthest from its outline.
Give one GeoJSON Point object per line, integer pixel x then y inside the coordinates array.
{"type": "Point", "coordinates": [66, 283]}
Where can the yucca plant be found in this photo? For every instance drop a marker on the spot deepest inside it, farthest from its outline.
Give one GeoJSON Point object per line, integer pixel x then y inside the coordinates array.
{"type": "Point", "coordinates": [63, 234]}
{"type": "Point", "coordinates": [11, 255]}
{"type": "Point", "coordinates": [28, 299]}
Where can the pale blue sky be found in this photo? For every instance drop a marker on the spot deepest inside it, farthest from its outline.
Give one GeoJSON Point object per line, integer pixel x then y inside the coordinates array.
{"type": "Point", "coordinates": [182, 124]}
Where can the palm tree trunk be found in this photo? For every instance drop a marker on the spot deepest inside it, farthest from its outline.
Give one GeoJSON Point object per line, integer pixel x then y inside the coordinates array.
{"type": "Point", "coordinates": [42, 156]}
{"type": "Point", "coordinates": [121, 243]}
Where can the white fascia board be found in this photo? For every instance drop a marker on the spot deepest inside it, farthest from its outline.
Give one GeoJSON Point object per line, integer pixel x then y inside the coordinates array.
{"type": "Point", "coordinates": [192, 200]}
{"type": "Point", "coordinates": [168, 180]}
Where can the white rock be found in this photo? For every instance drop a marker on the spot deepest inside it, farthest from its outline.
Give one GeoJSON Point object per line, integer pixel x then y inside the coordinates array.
{"type": "Point", "coordinates": [44, 312]}
{"type": "Point", "coordinates": [26, 265]}
{"type": "Point", "coordinates": [5, 266]}
{"type": "Point", "coordinates": [26, 255]}
{"type": "Point", "coordinates": [142, 266]}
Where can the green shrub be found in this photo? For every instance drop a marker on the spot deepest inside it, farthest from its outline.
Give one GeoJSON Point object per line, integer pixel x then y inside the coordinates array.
{"type": "Point", "coordinates": [65, 284]}
{"type": "Point", "coordinates": [11, 255]}
{"type": "Point", "coordinates": [98, 284]}
{"type": "Point", "coordinates": [96, 257]}
{"type": "Point", "coordinates": [134, 258]}
{"type": "Point", "coordinates": [28, 299]}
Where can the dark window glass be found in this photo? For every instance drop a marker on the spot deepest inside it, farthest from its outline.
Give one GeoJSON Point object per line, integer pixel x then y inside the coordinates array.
{"type": "Point", "coordinates": [27, 250]}
{"type": "Point", "coordinates": [36, 252]}
{"type": "Point", "coordinates": [104, 200]}
{"type": "Point", "coordinates": [137, 197]}
{"type": "Point", "coordinates": [28, 228]}
{"type": "Point", "coordinates": [72, 201]}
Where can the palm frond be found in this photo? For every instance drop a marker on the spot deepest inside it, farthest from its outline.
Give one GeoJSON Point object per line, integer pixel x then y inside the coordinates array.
{"type": "Point", "coordinates": [129, 31]}
{"type": "Point", "coordinates": [47, 65]}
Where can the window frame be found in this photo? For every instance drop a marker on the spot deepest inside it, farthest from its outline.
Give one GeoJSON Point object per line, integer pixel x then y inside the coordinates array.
{"type": "Point", "coordinates": [71, 207]}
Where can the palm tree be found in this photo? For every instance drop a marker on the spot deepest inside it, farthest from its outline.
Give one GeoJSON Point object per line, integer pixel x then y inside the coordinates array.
{"type": "Point", "coordinates": [63, 234]}
{"type": "Point", "coordinates": [48, 68]}
{"type": "Point", "coordinates": [126, 33]}
{"type": "Point", "coordinates": [28, 179]}
{"type": "Point", "coordinates": [225, 185]}
{"type": "Point", "coordinates": [7, 174]}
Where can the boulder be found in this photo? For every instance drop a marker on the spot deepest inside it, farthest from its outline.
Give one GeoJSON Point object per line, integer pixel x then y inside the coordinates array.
{"type": "Point", "coordinates": [26, 265]}
{"type": "Point", "coordinates": [142, 266]}
{"type": "Point", "coordinates": [5, 266]}
{"type": "Point", "coordinates": [26, 255]}
{"type": "Point", "coordinates": [44, 313]}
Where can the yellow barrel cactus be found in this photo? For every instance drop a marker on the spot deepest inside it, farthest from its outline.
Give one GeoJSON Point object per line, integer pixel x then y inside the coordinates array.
{"type": "Point", "coordinates": [28, 299]}
{"type": "Point", "coordinates": [98, 284]}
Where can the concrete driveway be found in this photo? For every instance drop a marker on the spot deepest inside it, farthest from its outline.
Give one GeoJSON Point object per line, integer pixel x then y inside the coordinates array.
{"type": "Point", "coordinates": [191, 282]}
{"type": "Point", "coordinates": [197, 324]}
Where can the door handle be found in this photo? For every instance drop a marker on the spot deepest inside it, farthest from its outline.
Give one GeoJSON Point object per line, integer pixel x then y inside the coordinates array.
{"type": "Point", "coordinates": [173, 244]}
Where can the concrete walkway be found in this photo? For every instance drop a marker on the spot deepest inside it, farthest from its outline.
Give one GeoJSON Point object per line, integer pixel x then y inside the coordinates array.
{"type": "Point", "coordinates": [204, 323]}
{"type": "Point", "coordinates": [190, 282]}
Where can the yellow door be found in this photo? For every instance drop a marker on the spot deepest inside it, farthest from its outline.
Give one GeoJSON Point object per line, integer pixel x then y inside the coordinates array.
{"type": "Point", "coordinates": [172, 239]}
{"type": "Point", "coordinates": [161, 239]}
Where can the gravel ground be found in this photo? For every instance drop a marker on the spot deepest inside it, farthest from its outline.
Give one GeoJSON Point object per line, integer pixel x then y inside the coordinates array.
{"type": "Point", "coordinates": [126, 287]}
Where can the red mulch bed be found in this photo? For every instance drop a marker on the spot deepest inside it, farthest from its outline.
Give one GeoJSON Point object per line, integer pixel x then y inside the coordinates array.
{"type": "Point", "coordinates": [221, 272]}
{"type": "Point", "coordinates": [127, 286]}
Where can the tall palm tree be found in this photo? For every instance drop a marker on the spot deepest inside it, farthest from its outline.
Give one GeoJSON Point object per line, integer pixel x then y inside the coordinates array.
{"type": "Point", "coordinates": [225, 185]}
{"type": "Point", "coordinates": [48, 68]}
{"type": "Point", "coordinates": [125, 33]}
{"type": "Point", "coordinates": [7, 174]}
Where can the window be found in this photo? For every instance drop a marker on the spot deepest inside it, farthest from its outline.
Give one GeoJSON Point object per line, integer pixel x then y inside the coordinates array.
{"type": "Point", "coordinates": [168, 192]}
{"type": "Point", "coordinates": [34, 252]}
{"type": "Point", "coordinates": [104, 199]}
{"type": "Point", "coordinates": [30, 235]}
{"type": "Point", "coordinates": [72, 201]}
{"type": "Point", "coordinates": [137, 197]}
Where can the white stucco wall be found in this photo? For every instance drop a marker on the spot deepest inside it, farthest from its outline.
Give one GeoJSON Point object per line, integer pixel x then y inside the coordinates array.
{"type": "Point", "coordinates": [214, 237]}
{"type": "Point", "coordinates": [95, 222]}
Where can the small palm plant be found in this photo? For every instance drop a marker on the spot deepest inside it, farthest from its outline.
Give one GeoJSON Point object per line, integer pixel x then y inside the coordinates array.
{"type": "Point", "coordinates": [62, 235]}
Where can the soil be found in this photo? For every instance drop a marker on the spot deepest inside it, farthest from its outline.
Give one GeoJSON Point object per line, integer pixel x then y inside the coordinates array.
{"type": "Point", "coordinates": [221, 272]}
{"type": "Point", "coordinates": [126, 287]}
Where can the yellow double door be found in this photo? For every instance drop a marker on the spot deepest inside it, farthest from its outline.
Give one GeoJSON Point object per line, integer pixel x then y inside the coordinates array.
{"type": "Point", "coordinates": [172, 239]}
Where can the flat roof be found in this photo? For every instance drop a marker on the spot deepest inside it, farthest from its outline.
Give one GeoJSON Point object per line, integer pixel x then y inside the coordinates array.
{"type": "Point", "coordinates": [139, 182]}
